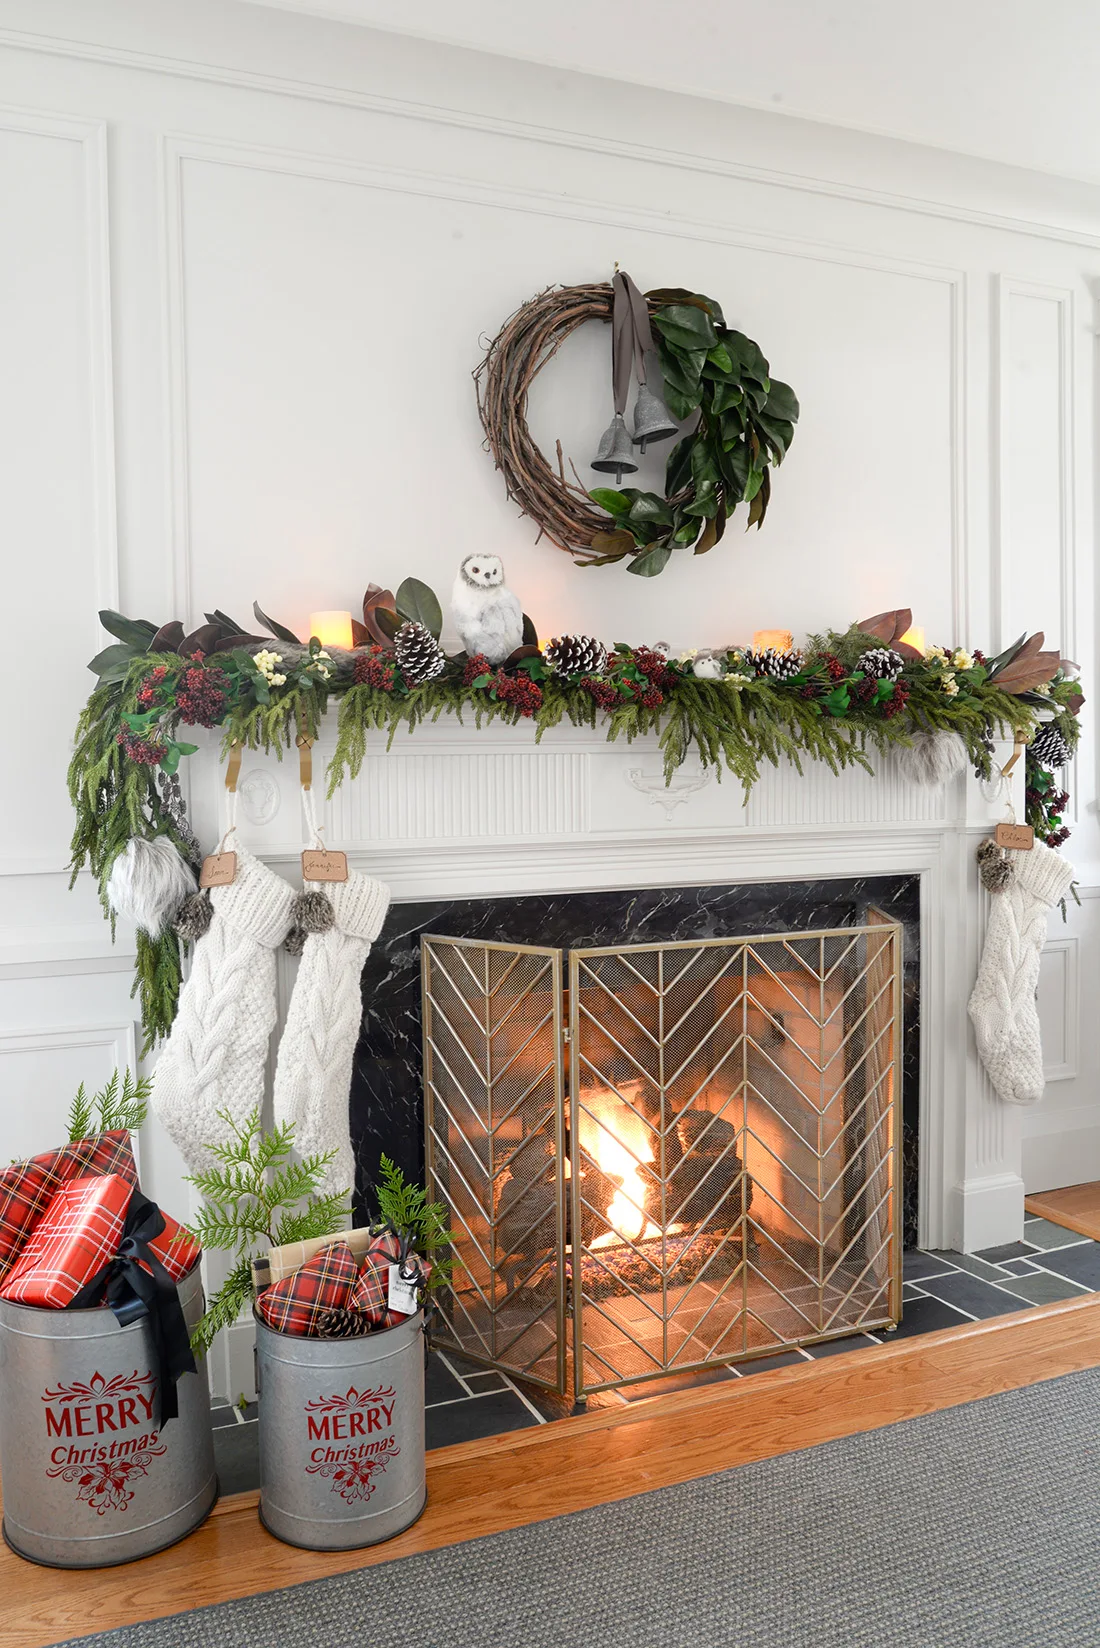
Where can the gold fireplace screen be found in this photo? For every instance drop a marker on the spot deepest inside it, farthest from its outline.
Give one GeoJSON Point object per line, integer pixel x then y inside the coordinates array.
{"type": "Point", "coordinates": [687, 1157]}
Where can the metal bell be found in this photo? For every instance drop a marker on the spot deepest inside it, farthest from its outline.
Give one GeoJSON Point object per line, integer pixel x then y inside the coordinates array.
{"type": "Point", "coordinates": [616, 455]}
{"type": "Point", "coordinates": [652, 419]}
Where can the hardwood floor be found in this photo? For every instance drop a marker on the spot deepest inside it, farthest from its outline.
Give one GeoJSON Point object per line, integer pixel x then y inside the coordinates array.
{"type": "Point", "coordinates": [1077, 1207]}
{"type": "Point", "coordinates": [530, 1475]}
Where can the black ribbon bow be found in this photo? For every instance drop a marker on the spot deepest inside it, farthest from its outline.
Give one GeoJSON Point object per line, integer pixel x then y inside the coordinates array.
{"type": "Point", "coordinates": [132, 1291]}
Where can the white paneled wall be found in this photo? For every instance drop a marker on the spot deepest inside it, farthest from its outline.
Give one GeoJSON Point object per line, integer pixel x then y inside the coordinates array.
{"type": "Point", "coordinates": [250, 262]}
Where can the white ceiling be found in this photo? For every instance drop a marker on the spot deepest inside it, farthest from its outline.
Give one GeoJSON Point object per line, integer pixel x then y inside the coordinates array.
{"type": "Point", "coordinates": [1011, 80]}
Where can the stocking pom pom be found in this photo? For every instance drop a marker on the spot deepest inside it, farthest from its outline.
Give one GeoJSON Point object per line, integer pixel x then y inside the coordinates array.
{"type": "Point", "coordinates": [194, 916]}
{"type": "Point", "coordinates": [148, 881]}
{"type": "Point", "coordinates": [295, 941]}
{"type": "Point", "coordinates": [313, 912]}
{"type": "Point", "coordinates": [994, 867]}
{"type": "Point", "coordinates": [933, 758]}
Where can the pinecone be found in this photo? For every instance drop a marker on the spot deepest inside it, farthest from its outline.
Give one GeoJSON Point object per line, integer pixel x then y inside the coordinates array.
{"type": "Point", "coordinates": [419, 654]}
{"type": "Point", "coordinates": [576, 655]}
{"type": "Point", "coordinates": [341, 1324]}
{"type": "Point", "coordinates": [881, 663]}
{"type": "Point", "coordinates": [781, 666]}
{"type": "Point", "coordinates": [1049, 748]}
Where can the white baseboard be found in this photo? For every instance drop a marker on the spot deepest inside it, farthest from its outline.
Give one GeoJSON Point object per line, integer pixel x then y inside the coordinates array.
{"type": "Point", "coordinates": [988, 1212]}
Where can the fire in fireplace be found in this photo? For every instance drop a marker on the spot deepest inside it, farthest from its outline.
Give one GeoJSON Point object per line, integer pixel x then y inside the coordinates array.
{"type": "Point", "coordinates": [686, 1155]}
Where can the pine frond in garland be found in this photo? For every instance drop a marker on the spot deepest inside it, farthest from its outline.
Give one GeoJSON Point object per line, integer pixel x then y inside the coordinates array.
{"type": "Point", "coordinates": [882, 663]}
{"type": "Point", "coordinates": [420, 657]}
{"type": "Point", "coordinates": [576, 655]}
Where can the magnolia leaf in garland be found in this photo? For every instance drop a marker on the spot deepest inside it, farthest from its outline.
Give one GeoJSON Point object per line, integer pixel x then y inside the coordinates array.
{"type": "Point", "coordinates": [280, 631]}
{"type": "Point", "coordinates": [417, 604]}
{"type": "Point", "coordinates": [134, 632]}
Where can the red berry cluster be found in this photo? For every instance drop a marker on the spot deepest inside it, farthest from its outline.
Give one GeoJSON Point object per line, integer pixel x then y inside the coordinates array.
{"type": "Point", "coordinates": [201, 695]}
{"type": "Point", "coordinates": [654, 666]}
{"type": "Point", "coordinates": [146, 752]}
{"type": "Point", "coordinates": [602, 691]}
{"type": "Point", "coordinates": [894, 705]}
{"type": "Point", "coordinates": [147, 693]}
{"type": "Point", "coordinates": [519, 691]}
{"type": "Point", "coordinates": [835, 668]}
{"type": "Point", "coordinates": [375, 668]}
{"type": "Point", "coordinates": [475, 666]}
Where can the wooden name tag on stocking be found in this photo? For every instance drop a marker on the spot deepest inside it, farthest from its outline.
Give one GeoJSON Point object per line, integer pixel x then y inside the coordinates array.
{"type": "Point", "coordinates": [318, 864]}
{"type": "Point", "coordinates": [1019, 836]}
{"type": "Point", "coordinates": [218, 870]}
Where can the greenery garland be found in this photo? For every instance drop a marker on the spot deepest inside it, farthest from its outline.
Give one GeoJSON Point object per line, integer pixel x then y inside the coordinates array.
{"type": "Point", "coordinates": [735, 709]}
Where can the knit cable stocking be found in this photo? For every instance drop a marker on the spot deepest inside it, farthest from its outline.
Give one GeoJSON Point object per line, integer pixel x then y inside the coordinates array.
{"type": "Point", "coordinates": [313, 1074]}
{"type": "Point", "coordinates": [1002, 1006]}
{"type": "Point", "coordinates": [214, 1058]}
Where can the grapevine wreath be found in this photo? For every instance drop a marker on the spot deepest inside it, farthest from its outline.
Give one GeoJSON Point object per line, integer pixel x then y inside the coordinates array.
{"type": "Point", "coordinates": [744, 424]}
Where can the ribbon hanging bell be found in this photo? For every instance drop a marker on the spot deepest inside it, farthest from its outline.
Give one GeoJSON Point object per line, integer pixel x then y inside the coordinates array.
{"type": "Point", "coordinates": [652, 419]}
{"type": "Point", "coordinates": [631, 345]}
{"type": "Point", "coordinates": [616, 453]}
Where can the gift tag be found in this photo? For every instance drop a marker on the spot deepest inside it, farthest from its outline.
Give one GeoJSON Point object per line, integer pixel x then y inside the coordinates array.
{"type": "Point", "coordinates": [1019, 836]}
{"type": "Point", "coordinates": [218, 870]}
{"type": "Point", "coordinates": [319, 864]}
{"type": "Point", "coordinates": [402, 1293]}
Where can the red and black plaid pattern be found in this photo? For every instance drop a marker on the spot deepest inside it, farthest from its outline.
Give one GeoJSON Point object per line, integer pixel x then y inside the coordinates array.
{"type": "Point", "coordinates": [371, 1295]}
{"type": "Point", "coordinates": [26, 1188]}
{"type": "Point", "coordinates": [72, 1241]}
{"type": "Point", "coordinates": [326, 1282]}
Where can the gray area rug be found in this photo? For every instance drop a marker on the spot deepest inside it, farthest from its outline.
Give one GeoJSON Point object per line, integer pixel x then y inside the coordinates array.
{"type": "Point", "coordinates": [974, 1528]}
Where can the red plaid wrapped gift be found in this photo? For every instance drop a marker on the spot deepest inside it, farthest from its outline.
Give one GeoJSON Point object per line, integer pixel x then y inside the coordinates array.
{"type": "Point", "coordinates": [176, 1248]}
{"type": "Point", "coordinates": [76, 1235]}
{"type": "Point", "coordinates": [27, 1188]}
{"type": "Point", "coordinates": [372, 1290]}
{"type": "Point", "coordinates": [324, 1283]}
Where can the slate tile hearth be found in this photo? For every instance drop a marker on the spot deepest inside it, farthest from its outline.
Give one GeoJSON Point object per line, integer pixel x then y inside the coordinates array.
{"type": "Point", "coordinates": [942, 1290]}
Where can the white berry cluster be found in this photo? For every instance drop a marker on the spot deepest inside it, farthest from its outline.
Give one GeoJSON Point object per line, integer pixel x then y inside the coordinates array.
{"type": "Point", "coordinates": [268, 665]}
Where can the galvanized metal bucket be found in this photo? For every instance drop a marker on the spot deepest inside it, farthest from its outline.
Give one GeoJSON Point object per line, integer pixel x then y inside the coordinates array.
{"type": "Point", "coordinates": [88, 1478]}
{"type": "Point", "coordinates": [341, 1435]}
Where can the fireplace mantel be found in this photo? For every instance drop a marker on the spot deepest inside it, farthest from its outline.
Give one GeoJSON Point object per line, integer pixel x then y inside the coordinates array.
{"type": "Point", "coordinates": [451, 810]}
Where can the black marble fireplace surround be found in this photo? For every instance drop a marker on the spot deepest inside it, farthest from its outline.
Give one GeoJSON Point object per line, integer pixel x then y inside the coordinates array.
{"type": "Point", "coordinates": [387, 1106]}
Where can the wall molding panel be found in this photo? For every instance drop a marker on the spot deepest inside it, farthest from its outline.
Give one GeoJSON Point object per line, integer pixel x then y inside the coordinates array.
{"type": "Point", "coordinates": [334, 94]}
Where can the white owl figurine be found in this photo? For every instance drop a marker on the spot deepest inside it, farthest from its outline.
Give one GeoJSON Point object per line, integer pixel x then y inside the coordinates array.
{"type": "Point", "coordinates": [487, 616]}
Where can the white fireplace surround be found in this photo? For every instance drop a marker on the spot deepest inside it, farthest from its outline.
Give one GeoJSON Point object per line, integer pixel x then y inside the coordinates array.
{"type": "Point", "coordinates": [452, 812]}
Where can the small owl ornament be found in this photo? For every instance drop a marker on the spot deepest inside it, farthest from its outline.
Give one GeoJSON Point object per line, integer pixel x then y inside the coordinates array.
{"type": "Point", "coordinates": [487, 616]}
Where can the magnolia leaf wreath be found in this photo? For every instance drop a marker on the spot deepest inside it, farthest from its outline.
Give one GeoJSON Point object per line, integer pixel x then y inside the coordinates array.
{"type": "Point", "coordinates": [743, 425]}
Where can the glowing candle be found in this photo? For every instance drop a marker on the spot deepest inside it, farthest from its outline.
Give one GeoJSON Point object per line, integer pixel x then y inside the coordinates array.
{"type": "Point", "coordinates": [780, 640]}
{"type": "Point", "coordinates": [332, 629]}
{"type": "Point", "coordinates": [914, 638]}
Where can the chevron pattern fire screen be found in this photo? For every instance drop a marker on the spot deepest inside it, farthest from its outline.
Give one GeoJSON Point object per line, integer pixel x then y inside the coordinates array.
{"type": "Point", "coordinates": [687, 1156]}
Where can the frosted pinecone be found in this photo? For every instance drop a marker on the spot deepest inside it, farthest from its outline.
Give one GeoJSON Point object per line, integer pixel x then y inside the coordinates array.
{"type": "Point", "coordinates": [576, 655]}
{"type": "Point", "coordinates": [881, 663]}
{"type": "Point", "coordinates": [419, 655]}
{"type": "Point", "coordinates": [781, 666]}
{"type": "Point", "coordinates": [342, 1324]}
{"type": "Point", "coordinates": [1049, 748]}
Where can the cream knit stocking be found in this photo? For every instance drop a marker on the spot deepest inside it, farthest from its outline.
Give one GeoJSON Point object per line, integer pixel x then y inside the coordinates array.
{"type": "Point", "coordinates": [313, 1075]}
{"type": "Point", "coordinates": [1002, 1006]}
{"type": "Point", "coordinates": [215, 1056]}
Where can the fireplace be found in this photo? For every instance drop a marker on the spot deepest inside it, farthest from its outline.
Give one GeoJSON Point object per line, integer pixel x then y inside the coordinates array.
{"type": "Point", "coordinates": [663, 1156]}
